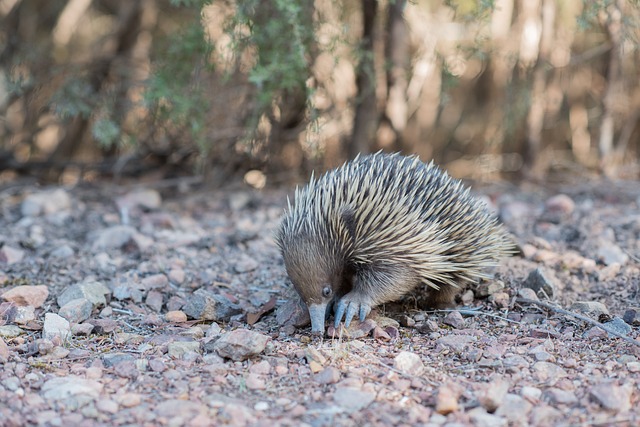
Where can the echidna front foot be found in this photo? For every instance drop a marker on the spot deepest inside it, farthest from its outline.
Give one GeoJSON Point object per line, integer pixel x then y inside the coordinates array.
{"type": "Point", "coordinates": [348, 306]}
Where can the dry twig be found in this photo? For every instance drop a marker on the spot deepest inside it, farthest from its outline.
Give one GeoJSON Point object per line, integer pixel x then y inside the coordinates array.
{"type": "Point", "coordinates": [578, 316]}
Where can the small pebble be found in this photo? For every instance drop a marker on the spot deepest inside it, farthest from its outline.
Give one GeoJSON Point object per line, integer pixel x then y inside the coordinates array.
{"type": "Point", "coordinates": [176, 316]}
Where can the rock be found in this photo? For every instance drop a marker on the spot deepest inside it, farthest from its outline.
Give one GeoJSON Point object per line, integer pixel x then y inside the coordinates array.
{"type": "Point", "coordinates": [559, 206]}
{"type": "Point", "coordinates": [610, 253]}
{"type": "Point", "coordinates": [24, 315]}
{"type": "Point", "coordinates": [489, 288]}
{"type": "Point", "coordinates": [112, 359]}
{"type": "Point", "coordinates": [494, 394]}
{"type": "Point", "coordinates": [531, 393]}
{"type": "Point", "coordinates": [407, 321]}
{"type": "Point", "coordinates": [176, 316]}
{"type": "Point", "coordinates": [148, 199]}
{"type": "Point", "coordinates": [142, 242]}
{"type": "Point", "coordinates": [261, 406]}
{"type": "Point", "coordinates": [55, 326]}
{"type": "Point", "coordinates": [480, 418]}
{"type": "Point", "coordinates": [355, 330]}
{"type": "Point", "coordinates": [454, 319]}
{"type": "Point", "coordinates": [541, 281]}
{"type": "Point", "coordinates": [633, 367]}
{"type": "Point", "coordinates": [154, 300]}
{"type": "Point", "coordinates": [548, 372]}
{"type": "Point", "coordinates": [313, 355]}
{"type": "Point", "coordinates": [95, 292]}
{"type": "Point", "coordinates": [157, 365]}
{"type": "Point", "coordinates": [113, 237]}
{"type": "Point", "coordinates": [10, 255]}
{"type": "Point", "coordinates": [543, 333]}
{"type": "Point", "coordinates": [26, 295]}
{"type": "Point", "coordinates": [104, 326]}
{"type": "Point", "coordinates": [177, 349]}
{"type": "Point", "coordinates": [467, 297]}
{"type": "Point", "coordinates": [201, 305]}
{"type": "Point", "coordinates": [155, 281]}
{"type": "Point", "coordinates": [591, 308]}
{"type": "Point", "coordinates": [130, 400]}
{"type": "Point", "coordinates": [446, 400]}
{"type": "Point", "coordinates": [528, 294]}
{"type": "Point", "coordinates": [428, 326]}
{"type": "Point", "coordinates": [206, 305]}
{"type": "Point", "coordinates": [609, 272]}
{"type": "Point", "coordinates": [10, 331]}
{"type": "Point", "coordinates": [456, 342]}
{"type": "Point", "coordinates": [63, 387]}
{"type": "Point", "coordinates": [545, 416]}
{"type": "Point", "coordinates": [126, 369]}
{"type": "Point", "coordinates": [329, 375]}
{"type": "Point", "coordinates": [408, 363]}
{"type": "Point", "coordinates": [261, 368]}
{"type": "Point", "coordinates": [214, 331]}
{"type": "Point", "coordinates": [612, 397]}
{"type": "Point", "coordinates": [107, 406]}
{"type": "Point", "coordinates": [82, 329]}
{"type": "Point", "coordinates": [76, 310]}
{"type": "Point", "coordinates": [293, 312]}
{"type": "Point", "coordinates": [255, 382]}
{"type": "Point", "coordinates": [245, 264]}
{"type": "Point", "coordinates": [4, 351]}
{"type": "Point", "coordinates": [543, 356]}
{"type": "Point", "coordinates": [514, 409]}
{"type": "Point", "coordinates": [620, 326]}
{"type": "Point", "coordinates": [500, 299]}
{"type": "Point", "coordinates": [515, 211]}
{"type": "Point", "coordinates": [45, 203]}
{"type": "Point", "coordinates": [595, 333]}
{"type": "Point", "coordinates": [557, 396]}
{"type": "Point", "coordinates": [62, 252]}
{"type": "Point", "coordinates": [632, 316]}
{"type": "Point", "coordinates": [241, 344]}
{"type": "Point", "coordinates": [353, 399]}
{"type": "Point", "coordinates": [177, 276]}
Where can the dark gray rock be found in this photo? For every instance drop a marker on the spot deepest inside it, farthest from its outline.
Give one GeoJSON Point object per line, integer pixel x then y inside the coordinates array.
{"type": "Point", "coordinates": [77, 310]}
{"type": "Point", "coordinates": [541, 280]}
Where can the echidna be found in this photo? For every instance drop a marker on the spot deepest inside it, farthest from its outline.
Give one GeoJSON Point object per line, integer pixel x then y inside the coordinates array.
{"type": "Point", "coordinates": [376, 228]}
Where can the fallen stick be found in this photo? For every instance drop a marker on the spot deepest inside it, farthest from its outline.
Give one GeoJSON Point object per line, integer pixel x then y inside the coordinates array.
{"type": "Point", "coordinates": [578, 316]}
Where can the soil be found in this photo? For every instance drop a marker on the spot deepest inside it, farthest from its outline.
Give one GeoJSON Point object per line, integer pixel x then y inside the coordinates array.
{"type": "Point", "coordinates": [149, 263]}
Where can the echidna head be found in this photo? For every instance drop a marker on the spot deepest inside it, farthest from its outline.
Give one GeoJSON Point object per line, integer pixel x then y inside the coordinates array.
{"type": "Point", "coordinates": [316, 274]}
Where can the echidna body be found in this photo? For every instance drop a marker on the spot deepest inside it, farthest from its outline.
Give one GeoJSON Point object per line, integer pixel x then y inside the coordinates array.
{"type": "Point", "coordinates": [376, 228]}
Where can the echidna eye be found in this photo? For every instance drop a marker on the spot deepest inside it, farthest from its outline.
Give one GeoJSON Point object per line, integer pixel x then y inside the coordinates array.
{"type": "Point", "coordinates": [327, 291]}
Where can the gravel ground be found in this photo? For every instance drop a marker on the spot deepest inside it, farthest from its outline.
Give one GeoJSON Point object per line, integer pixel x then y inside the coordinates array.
{"type": "Point", "coordinates": [133, 306]}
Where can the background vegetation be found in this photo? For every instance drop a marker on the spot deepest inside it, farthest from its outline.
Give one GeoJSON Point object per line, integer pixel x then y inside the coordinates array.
{"type": "Point", "coordinates": [512, 87]}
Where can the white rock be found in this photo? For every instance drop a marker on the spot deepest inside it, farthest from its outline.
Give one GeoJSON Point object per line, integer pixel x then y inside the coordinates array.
{"type": "Point", "coordinates": [55, 326]}
{"type": "Point", "coordinates": [64, 387]}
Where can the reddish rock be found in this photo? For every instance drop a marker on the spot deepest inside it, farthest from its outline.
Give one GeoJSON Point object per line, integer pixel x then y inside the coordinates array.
{"type": "Point", "coordinates": [10, 255]}
{"type": "Point", "coordinates": [27, 295]}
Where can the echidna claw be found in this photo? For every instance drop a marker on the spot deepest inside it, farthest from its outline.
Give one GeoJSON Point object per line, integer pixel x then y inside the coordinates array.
{"type": "Point", "coordinates": [351, 311]}
{"type": "Point", "coordinates": [364, 311]}
{"type": "Point", "coordinates": [341, 307]}
{"type": "Point", "coordinates": [351, 308]}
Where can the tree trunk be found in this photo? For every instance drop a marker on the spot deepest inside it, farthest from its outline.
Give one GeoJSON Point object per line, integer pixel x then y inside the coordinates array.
{"type": "Point", "coordinates": [397, 63]}
{"type": "Point", "coordinates": [613, 91]}
{"type": "Point", "coordinates": [125, 37]}
{"type": "Point", "coordinates": [366, 118]}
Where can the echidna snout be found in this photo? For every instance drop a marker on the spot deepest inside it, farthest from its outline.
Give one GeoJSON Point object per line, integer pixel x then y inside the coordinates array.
{"type": "Point", "coordinates": [316, 276]}
{"type": "Point", "coordinates": [376, 228]}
